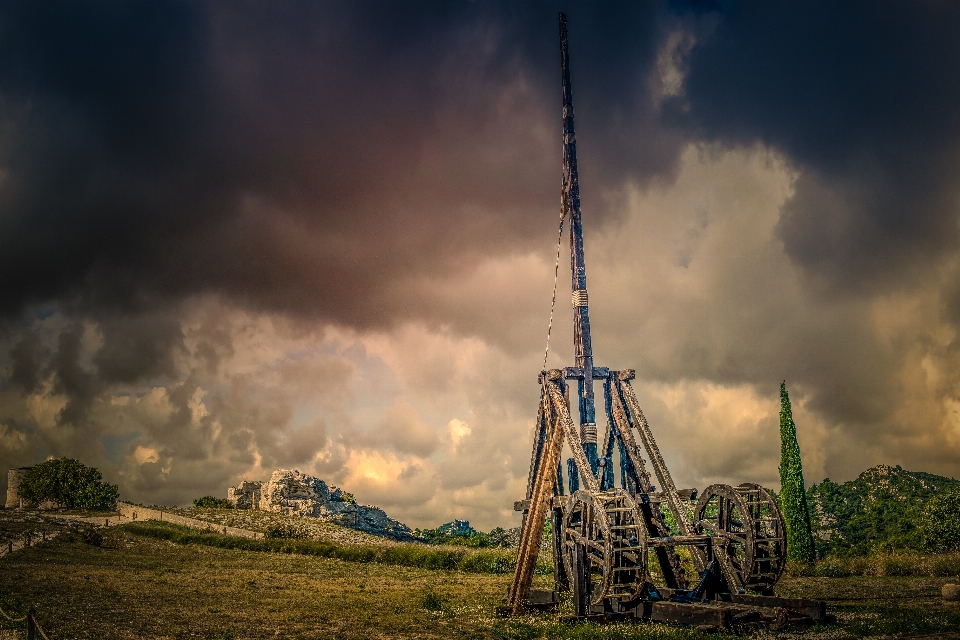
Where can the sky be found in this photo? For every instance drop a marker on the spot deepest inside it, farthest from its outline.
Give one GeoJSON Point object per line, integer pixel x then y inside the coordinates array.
{"type": "Point", "coordinates": [240, 237]}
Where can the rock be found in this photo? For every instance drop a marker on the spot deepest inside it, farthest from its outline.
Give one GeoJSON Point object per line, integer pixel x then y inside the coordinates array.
{"type": "Point", "coordinates": [456, 528]}
{"type": "Point", "coordinates": [300, 494]}
{"type": "Point", "coordinates": [246, 495]}
{"type": "Point", "coordinates": [294, 493]}
{"type": "Point", "coordinates": [951, 592]}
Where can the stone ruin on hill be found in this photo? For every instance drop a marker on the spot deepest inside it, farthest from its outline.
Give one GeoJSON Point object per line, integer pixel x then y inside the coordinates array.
{"type": "Point", "coordinates": [299, 494]}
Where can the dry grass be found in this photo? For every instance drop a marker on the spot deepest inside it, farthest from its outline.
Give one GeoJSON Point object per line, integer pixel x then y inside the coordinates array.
{"type": "Point", "coordinates": [142, 587]}
{"type": "Point", "coordinates": [15, 524]}
{"type": "Point", "coordinates": [409, 555]}
{"type": "Point", "coordinates": [262, 521]}
{"type": "Point", "coordinates": [888, 564]}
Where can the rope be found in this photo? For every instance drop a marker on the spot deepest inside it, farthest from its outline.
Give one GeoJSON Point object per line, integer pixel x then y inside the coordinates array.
{"type": "Point", "coordinates": [12, 619]}
{"type": "Point", "coordinates": [37, 625]}
{"type": "Point", "coordinates": [556, 274]}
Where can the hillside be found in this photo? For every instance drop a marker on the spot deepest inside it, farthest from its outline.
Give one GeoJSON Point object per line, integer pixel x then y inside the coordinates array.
{"type": "Point", "coordinates": [879, 510]}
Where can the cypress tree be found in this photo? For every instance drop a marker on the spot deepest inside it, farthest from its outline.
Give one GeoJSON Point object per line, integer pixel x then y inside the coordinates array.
{"type": "Point", "coordinates": [793, 498]}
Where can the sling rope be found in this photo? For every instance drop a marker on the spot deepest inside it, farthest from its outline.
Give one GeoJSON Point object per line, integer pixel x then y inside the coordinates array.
{"type": "Point", "coordinates": [556, 274]}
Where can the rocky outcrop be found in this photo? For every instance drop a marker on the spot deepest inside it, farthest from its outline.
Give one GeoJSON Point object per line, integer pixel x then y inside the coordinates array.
{"type": "Point", "coordinates": [246, 495]}
{"type": "Point", "coordinates": [300, 494]}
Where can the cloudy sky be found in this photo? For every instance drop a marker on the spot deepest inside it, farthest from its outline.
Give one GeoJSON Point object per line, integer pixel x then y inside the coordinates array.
{"type": "Point", "coordinates": [237, 237]}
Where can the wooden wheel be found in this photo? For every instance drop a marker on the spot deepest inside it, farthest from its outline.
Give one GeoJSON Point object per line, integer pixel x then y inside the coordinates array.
{"type": "Point", "coordinates": [605, 546]}
{"type": "Point", "coordinates": [769, 537]}
{"type": "Point", "coordinates": [747, 531]}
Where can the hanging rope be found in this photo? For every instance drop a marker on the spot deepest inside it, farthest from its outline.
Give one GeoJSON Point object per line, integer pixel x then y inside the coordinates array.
{"type": "Point", "coordinates": [5, 615]}
{"type": "Point", "coordinates": [37, 625]}
{"type": "Point", "coordinates": [556, 274]}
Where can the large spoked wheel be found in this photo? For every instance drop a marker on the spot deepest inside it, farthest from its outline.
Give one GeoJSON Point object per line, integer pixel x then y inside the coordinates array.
{"type": "Point", "coordinates": [605, 546]}
{"type": "Point", "coordinates": [769, 537]}
{"type": "Point", "coordinates": [747, 534]}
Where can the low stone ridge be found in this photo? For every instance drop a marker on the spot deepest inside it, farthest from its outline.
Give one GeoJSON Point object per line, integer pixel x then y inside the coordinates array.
{"type": "Point", "coordinates": [299, 494]}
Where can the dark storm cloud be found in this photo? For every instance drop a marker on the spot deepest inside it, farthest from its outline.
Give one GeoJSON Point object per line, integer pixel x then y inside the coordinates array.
{"type": "Point", "coordinates": [177, 177]}
{"type": "Point", "coordinates": [306, 157]}
{"type": "Point", "coordinates": [863, 97]}
{"type": "Point", "coordinates": [27, 362]}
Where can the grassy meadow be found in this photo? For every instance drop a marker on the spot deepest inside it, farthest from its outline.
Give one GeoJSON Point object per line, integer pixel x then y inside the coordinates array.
{"type": "Point", "coordinates": [148, 580]}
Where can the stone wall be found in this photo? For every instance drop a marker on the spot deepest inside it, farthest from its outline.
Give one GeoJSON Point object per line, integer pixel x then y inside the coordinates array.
{"type": "Point", "coordinates": [14, 478]}
{"type": "Point", "coordinates": [135, 512]}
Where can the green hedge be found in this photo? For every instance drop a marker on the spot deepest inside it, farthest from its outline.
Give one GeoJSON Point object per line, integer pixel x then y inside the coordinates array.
{"type": "Point", "coordinates": [407, 555]}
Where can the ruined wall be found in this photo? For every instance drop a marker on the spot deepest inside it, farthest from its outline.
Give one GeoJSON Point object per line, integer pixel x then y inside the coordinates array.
{"type": "Point", "coordinates": [14, 478]}
{"type": "Point", "coordinates": [246, 495]}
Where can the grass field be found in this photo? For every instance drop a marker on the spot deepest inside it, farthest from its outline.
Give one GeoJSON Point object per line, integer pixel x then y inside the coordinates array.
{"type": "Point", "coordinates": [141, 586]}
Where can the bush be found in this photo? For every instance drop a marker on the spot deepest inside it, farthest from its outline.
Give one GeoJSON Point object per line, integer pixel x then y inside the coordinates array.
{"type": "Point", "coordinates": [945, 565]}
{"type": "Point", "coordinates": [85, 533]}
{"type": "Point", "coordinates": [432, 601]}
{"type": "Point", "coordinates": [209, 502]}
{"type": "Point", "coordinates": [940, 524]}
{"type": "Point", "coordinates": [70, 484]}
{"type": "Point", "coordinates": [498, 538]}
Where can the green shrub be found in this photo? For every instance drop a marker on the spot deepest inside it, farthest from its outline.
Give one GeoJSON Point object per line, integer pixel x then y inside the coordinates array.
{"type": "Point", "coordinates": [898, 565]}
{"type": "Point", "coordinates": [940, 522]}
{"type": "Point", "coordinates": [945, 565]}
{"type": "Point", "coordinates": [84, 533]}
{"type": "Point", "coordinates": [431, 600]}
{"type": "Point", "coordinates": [498, 538]}
{"type": "Point", "coordinates": [210, 502]}
{"type": "Point", "coordinates": [70, 484]}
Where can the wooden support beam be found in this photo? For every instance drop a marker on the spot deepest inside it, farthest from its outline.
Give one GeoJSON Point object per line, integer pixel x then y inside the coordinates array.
{"type": "Point", "coordinates": [524, 505]}
{"type": "Point", "coordinates": [815, 609]}
{"type": "Point", "coordinates": [693, 614]}
{"type": "Point", "coordinates": [545, 477]}
{"type": "Point", "coordinates": [576, 373]}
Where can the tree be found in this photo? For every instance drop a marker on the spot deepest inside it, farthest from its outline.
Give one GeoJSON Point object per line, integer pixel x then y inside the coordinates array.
{"type": "Point", "coordinates": [70, 484]}
{"type": "Point", "coordinates": [940, 524]}
{"type": "Point", "coordinates": [211, 502]}
{"type": "Point", "coordinates": [793, 497]}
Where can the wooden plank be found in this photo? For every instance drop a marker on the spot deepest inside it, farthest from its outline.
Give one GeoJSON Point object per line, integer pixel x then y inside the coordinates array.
{"type": "Point", "coordinates": [692, 614]}
{"type": "Point", "coordinates": [678, 540]}
{"type": "Point", "coordinates": [815, 609]}
{"type": "Point", "coordinates": [524, 505]}
{"type": "Point", "coordinates": [576, 373]}
{"type": "Point", "coordinates": [542, 494]}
